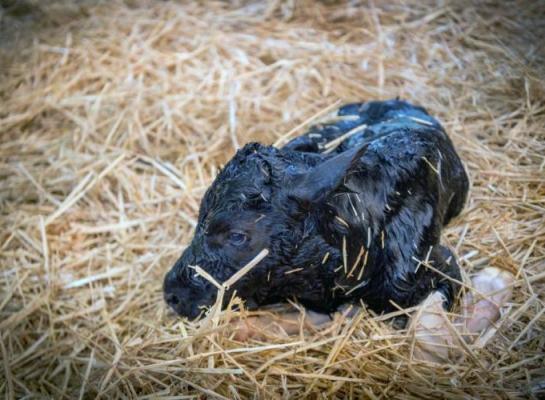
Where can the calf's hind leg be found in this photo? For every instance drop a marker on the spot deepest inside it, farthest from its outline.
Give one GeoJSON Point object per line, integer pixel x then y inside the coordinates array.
{"type": "Point", "coordinates": [434, 337]}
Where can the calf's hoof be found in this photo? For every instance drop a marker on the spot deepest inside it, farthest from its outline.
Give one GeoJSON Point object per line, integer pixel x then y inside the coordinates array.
{"type": "Point", "coordinates": [492, 290]}
{"type": "Point", "coordinates": [437, 339]}
{"type": "Point", "coordinates": [433, 339]}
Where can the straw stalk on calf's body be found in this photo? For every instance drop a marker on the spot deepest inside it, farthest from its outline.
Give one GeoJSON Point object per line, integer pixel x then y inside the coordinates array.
{"type": "Point", "coordinates": [348, 211]}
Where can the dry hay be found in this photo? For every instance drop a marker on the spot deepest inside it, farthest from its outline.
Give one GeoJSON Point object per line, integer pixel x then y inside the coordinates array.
{"type": "Point", "coordinates": [114, 118]}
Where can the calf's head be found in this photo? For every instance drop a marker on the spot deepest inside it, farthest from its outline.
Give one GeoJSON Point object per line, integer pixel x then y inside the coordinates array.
{"type": "Point", "coordinates": [263, 198]}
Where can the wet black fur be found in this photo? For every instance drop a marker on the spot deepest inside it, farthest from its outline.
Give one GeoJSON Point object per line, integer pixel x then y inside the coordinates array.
{"type": "Point", "coordinates": [390, 188]}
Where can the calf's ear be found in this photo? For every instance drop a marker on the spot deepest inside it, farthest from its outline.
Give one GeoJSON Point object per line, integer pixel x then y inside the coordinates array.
{"type": "Point", "coordinates": [314, 186]}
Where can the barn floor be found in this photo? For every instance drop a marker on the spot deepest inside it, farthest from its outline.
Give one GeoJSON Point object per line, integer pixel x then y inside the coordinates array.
{"type": "Point", "coordinates": [114, 117]}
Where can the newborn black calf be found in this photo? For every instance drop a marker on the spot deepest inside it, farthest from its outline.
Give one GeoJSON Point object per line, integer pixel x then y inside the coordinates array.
{"type": "Point", "coordinates": [342, 224]}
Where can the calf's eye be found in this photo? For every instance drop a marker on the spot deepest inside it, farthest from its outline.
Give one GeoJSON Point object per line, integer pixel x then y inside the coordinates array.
{"type": "Point", "coordinates": [237, 238]}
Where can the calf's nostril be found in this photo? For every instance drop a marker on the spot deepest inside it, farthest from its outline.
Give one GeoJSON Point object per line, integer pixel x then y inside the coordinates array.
{"type": "Point", "coordinates": [172, 299]}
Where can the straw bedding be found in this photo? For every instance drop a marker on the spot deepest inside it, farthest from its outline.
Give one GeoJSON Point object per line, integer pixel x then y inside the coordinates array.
{"type": "Point", "coordinates": [116, 116]}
